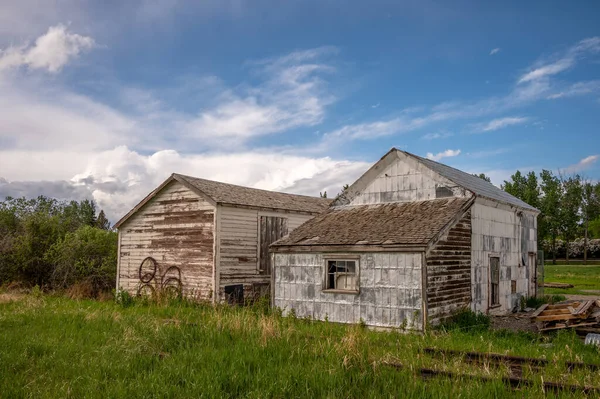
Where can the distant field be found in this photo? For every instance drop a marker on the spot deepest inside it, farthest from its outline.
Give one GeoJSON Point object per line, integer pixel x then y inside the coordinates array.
{"type": "Point", "coordinates": [585, 278]}
{"type": "Point", "coordinates": [52, 347]}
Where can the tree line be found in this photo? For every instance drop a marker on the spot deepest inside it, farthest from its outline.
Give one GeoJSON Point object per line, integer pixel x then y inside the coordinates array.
{"type": "Point", "coordinates": [569, 222]}
{"type": "Point", "coordinates": [56, 245]}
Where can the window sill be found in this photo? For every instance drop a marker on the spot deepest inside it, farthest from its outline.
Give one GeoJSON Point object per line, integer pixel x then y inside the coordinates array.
{"type": "Point", "coordinates": [351, 292]}
{"type": "Point", "coordinates": [495, 306]}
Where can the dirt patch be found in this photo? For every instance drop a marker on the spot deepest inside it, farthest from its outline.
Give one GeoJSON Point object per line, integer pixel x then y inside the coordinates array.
{"type": "Point", "coordinates": [514, 322]}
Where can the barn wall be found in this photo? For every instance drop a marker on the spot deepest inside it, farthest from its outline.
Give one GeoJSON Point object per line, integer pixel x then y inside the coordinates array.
{"type": "Point", "coordinates": [407, 180]}
{"type": "Point", "coordinates": [449, 272]}
{"type": "Point", "coordinates": [390, 289]}
{"type": "Point", "coordinates": [176, 229]}
{"type": "Point", "coordinates": [509, 233]}
{"type": "Point", "coordinates": [239, 245]}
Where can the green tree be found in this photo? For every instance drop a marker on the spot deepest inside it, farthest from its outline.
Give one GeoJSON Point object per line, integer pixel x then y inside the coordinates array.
{"type": "Point", "coordinates": [323, 194]}
{"type": "Point", "coordinates": [590, 210]}
{"type": "Point", "coordinates": [102, 222]}
{"type": "Point", "coordinates": [550, 203]}
{"type": "Point", "coordinates": [570, 209]}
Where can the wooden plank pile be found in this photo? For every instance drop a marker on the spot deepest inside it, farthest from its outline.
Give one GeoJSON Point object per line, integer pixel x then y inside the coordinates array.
{"type": "Point", "coordinates": [583, 316]}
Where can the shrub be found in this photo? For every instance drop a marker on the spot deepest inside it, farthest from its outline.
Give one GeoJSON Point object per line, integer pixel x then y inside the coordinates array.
{"type": "Point", "coordinates": [467, 320]}
{"type": "Point", "coordinates": [536, 302]}
{"type": "Point", "coordinates": [87, 255]}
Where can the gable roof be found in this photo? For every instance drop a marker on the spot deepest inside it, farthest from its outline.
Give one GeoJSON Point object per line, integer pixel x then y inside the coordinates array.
{"type": "Point", "coordinates": [231, 194]}
{"type": "Point", "coordinates": [474, 184]}
{"type": "Point", "coordinates": [395, 224]}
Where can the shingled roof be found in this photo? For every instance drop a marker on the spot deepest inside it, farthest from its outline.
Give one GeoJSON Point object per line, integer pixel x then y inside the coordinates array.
{"type": "Point", "coordinates": [408, 223]}
{"type": "Point", "coordinates": [230, 194]}
{"type": "Point", "coordinates": [224, 193]}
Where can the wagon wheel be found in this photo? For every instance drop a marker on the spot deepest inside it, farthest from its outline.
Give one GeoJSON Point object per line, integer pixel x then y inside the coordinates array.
{"type": "Point", "coordinates": [172, 287]}
{"type": "Point", "coordinates": [147, 270]}
{"type": "Point", "coordinates": [146, 290]}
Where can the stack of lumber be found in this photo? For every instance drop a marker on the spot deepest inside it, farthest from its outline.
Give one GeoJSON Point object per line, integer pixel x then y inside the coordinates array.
{"type": "Point", "coordinates": [583, 316]}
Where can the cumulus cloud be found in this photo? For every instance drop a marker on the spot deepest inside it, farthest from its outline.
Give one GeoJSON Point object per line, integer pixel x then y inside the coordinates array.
{"type": "Point", "coordinates": [583, 164]}
{"type": "Point", "coordinates": [564, 62]}
{"type": "Point", "coordinates": [51, 51]}
{"type": "Point", "coordinates": [119, 178]}
{"type": "Point", "coordinates": [495, 51]}
{"type": "Point", "coordinates": [500, 123]}
{"type": "Point", "coordinates": [443, 154]}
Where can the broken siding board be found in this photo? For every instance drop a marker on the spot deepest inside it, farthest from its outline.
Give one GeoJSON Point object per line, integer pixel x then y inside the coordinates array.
{"type": "Point", "coordinates": [175, 228]}
{"type": "Point", "coordinates": [449, 271]}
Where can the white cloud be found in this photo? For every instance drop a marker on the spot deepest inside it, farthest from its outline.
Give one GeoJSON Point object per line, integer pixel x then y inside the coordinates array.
{"type": "Point", "coordinates": [51, 51]}
{"type": "Point", "coordinates": [443, 154]}
{"type": "Point", "coordinates": [577, 89]}
{"type": "Point", "coordinates": [495, 51]}
{"type": "Point", "coordinates": [501, 123]}
{"type": "Point", "coordinates": [119, 178]}
{"type": "Point", "coordinates": [585, 163]}
{"type": "Point", "coordinates": [435, 136]}
{"type": "Point", "coordinates": [566, 61]}
{"type": "Point", "coordinates": [292, 95]}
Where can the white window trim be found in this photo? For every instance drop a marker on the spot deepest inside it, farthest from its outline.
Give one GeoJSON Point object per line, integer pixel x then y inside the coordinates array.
{"type": "Point", "coordinates": [336, 257]}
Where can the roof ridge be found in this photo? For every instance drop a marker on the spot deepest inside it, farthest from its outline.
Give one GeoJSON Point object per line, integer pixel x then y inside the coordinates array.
{"type": "Point", "coordinates": [249, 188]}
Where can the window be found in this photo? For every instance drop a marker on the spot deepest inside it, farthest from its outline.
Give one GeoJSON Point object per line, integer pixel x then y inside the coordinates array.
{"type": "Point", "coordinates": [342, 274]}
{"type": "Point", "coordinates": [494, 281]}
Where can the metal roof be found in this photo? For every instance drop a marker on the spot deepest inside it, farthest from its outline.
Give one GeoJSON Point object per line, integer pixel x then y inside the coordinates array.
{"type": "Point", "coordinates": [475, 184]}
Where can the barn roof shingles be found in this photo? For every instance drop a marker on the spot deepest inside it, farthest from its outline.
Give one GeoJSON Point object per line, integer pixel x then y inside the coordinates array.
{"type": "Point", "coordinates": [224, 193]}
{"type": "Point", "coordinates": [409, 223]}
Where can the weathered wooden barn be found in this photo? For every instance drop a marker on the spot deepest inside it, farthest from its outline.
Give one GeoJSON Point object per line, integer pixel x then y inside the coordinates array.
{"type": "Point", "coordinates": [208, 239]}
{"type": "Point", "coordinates": [410, 242]}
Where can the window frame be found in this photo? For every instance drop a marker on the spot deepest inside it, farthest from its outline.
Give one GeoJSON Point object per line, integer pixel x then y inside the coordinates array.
{"type": "Point", "coordinates": [492, 303]}
{"type": "Point", "coordinates": [353, 258]}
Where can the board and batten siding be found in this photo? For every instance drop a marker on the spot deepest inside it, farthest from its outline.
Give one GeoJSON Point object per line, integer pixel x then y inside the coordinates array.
{"type": "Point", "coordinates": [407, 180]}
{"type": "Point", "coordinates": [176, 228]}
{"type": "Point", "coordinates": [390, 289]}
{"type": "Point", "coordinates": [508, 233]}
{"type": "Point", "coordinates": [449, 272]}
{"type": "Point", "coordinates": [239, 248]}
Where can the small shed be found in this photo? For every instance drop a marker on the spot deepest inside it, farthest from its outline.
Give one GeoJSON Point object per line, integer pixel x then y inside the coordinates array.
{"type": "Point", "coordinates": [410, 242]}
{"type": "Point", "coordinates": [207, 239]}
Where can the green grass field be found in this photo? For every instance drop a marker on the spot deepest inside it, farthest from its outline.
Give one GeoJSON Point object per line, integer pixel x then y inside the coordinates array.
{"type": "Point", "coordinates": [585, 278]}
{"type": "Point", "coordinates": [53, 347]}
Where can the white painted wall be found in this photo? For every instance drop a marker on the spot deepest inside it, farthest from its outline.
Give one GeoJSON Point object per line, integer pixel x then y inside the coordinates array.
{"type": "Point", "coordinates": [403, 181]}
{"type": "Point", "coordinates": [499, 230]}
{"type": "Point", "coordinates": [390, 289]}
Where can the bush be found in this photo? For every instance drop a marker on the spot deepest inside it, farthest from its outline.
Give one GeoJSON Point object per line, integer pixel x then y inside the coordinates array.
{"type": "Point", "coordinates": [467, 320]}
{"type": "Point", "coordinates": [89, 255]}
{"type": "Point", "coordinates": [536, 302]}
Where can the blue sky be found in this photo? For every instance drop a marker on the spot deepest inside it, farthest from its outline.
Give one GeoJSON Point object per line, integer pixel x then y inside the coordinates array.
{"type": "Point", "coordinates": [106, 99]}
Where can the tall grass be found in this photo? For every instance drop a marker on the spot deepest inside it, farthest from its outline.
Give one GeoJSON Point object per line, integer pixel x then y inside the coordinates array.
{"type": "Point", "coordinates": [56, 347]}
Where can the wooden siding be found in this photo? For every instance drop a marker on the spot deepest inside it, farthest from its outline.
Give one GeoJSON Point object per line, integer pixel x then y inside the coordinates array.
{"type": "Point", "coordinates": [449, 271]}
{"type": "Point", "coordinates": [405, 180]}
{"type": "Point", "coordinates": [272, 228]}
{"type": "Point", "coordinates": [239, 235]}
{"type": "Point", "coordinates": [175, 228]}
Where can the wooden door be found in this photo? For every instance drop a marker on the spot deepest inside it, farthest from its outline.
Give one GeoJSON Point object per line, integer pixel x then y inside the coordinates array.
{"type": "Point", "coordinates": [271, 229]}
{"type": "Point", "coordinates": [532, 265]}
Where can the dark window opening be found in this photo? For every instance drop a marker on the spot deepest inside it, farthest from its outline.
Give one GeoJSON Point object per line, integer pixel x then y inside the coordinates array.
{"type": "Point", "coordinates": [341, 275]}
